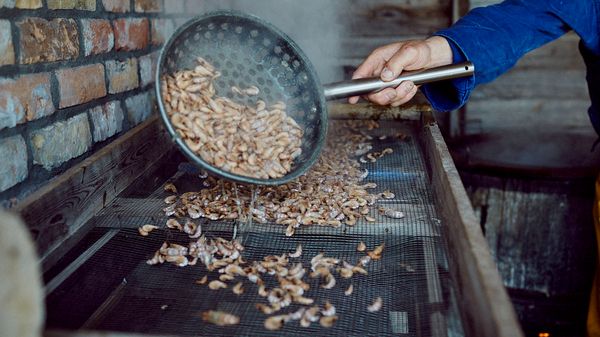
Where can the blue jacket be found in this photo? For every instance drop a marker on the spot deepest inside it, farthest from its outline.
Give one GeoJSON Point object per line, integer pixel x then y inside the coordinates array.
{"type": "Point", "coordinates": [495, 37]}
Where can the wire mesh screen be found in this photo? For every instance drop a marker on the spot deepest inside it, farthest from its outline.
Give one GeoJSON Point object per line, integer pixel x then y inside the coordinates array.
{"type": "Point", "coordinates": [115, 290]}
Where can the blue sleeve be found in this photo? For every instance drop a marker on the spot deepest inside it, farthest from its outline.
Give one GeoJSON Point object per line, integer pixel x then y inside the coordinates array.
{"type": "Point", "coordinates": [495, 37]}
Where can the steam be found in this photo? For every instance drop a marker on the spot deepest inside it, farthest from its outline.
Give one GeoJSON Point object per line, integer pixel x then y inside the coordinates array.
{"type": "Point", "coordinates": [313, 24]}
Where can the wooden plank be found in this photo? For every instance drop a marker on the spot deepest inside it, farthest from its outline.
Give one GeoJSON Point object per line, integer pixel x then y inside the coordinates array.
{"type": "Point", "coordinates": [413, 110]}
{"type": "Point", "coordinates": [525, 82]}
{"type": "Point", "coordinates": [402, 17]}
{"type": "Point", "coordinates": [485, 307]}
{"type": "Point", "coordinates": [84, 333]}
{"type": "Point", "coordinates": [568, 115]}
{"type": "Point", "coordinates": [359, 47]}
{"type": "Point", "coordinates": [540, 231]}
{"type": "Point", "coordinates": [60, 208]}
{"type": "Point", "coordinates": [559, 54]}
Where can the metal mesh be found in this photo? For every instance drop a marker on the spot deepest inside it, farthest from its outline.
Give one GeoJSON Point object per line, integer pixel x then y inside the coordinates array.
{"type": "Point", "coordinates": [115, 290]}
{"type": "Point", "coordinates": [248, 51]}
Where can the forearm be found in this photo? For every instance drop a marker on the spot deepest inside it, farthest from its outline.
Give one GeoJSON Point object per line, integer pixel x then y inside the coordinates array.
{"type": "Point", "coordinates": [493, 38]}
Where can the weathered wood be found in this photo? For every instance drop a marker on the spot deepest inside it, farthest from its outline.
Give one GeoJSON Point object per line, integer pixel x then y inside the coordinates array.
{"type": "Point", "coordinates": [493, 113]}
{"type": "Point", "coordinates": [540, 83]}
{"type": "Point", "coordinates": [65, 204]}
{"type": "Point", "coordinates": [381, 18]}
{"type": "Point", "coordinates": [540, 231]}
{"type": "Point", "coordinates": [558, 55]}
{"type": "Point", "coordinates": [413, 110]}
{"type": "Point", "coordinates": [485, 307]}
{"type": "Point", "coordinates": [64, 333]}
{"type": "Point", "coordinates": [359, 47]}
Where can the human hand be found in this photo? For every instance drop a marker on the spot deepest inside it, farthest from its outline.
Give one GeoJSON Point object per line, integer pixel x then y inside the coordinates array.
{"type": "Point", "coordinates": [388, 62]}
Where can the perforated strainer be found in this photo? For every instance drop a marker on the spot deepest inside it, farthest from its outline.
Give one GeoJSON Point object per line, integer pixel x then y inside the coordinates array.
{"type": "Point", "coordinates": [249, 51]}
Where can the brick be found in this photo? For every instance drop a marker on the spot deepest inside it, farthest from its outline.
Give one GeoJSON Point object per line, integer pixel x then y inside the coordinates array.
{"type": "Point", "coordinates": [122, 76]}
{"type": "Point", "coordinates": [81, 84]}
{"type": "Point", "coordinates": [47, 41]}
{"type": "Point", "coordinates": [148, 65]}
{"type": "Point", "coordinates": [139, 108]}
{"type": "Point", "coordinates": [13, 169]}
{"type": "Point", "coordinates": [148, 6]}
{"type": "Point", "coordinates": [131, 34]}
{"type": "Point", "coordinates": [7, 51]}
{"type": "Point", "coordinates": [107, 120]}
{"type": "Point", "coordinates": [117, 6]}
{"type": "Point", "coordinates": [25, 99]}
{"type": "Point", "coordinates": [98, 36]}
{"type": "Point", "coordinates": [7, 3]}
{"type": "Point", "coordinates": [174, 6]}
{"type": "Point", "coordinates": [88, 5]}
{"type": "Point", "coordinates": [162, 29]}
{"type": "Point", "coordinates": [61, 141]}
{"type": "Point", "coordinates": [28, 4]}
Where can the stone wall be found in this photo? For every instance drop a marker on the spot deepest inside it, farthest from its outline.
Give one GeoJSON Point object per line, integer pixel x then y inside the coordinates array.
{"type": "Point", "coordinates": [74, 75]}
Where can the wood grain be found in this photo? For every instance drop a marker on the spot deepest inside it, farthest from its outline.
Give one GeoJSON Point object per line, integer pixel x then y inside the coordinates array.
{"type": "Point", "coordinates": [65, 204]}
{"type": "Point", "coordinates": [540, 231]}
{"type": "Point", "coordinates": [404, 17]}
{"type": "Point", "coordinates": [484, 304]}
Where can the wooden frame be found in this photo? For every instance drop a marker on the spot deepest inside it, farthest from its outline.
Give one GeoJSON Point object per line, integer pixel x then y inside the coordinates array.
{"type": "Point", "coordinates": [57, 211]}
{"type": "Point", "coordinates": [483, 301]}
{"type": "Point", "coordinates": [74, 197]}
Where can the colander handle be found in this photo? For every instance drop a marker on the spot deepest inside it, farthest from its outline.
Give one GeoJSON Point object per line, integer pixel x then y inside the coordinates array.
{"type": "Point", "coordinates": [367, 85]}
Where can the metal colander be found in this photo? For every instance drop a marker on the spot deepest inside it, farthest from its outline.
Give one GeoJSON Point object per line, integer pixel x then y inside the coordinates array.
{"type": "Point", "coordinates": [249, 51]}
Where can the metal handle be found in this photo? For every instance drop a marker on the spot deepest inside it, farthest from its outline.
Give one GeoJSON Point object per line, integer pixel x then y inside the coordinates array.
{"type": "Point", "coordinates": [367, 85]}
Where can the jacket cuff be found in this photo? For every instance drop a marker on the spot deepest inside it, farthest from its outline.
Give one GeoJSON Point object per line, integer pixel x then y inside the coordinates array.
{"type": "Point", "coordinates": [450, 94]}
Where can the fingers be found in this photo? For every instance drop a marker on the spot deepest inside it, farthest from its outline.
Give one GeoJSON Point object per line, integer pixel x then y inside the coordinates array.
{"type": "Point", "coordinates": [374, 63]}
{"type": "Point", "coordinates": [407, 97]}
{"type": "Point", "coordinates": [411, 56]}
{"type": "Point", "coordinates": [395, 96]}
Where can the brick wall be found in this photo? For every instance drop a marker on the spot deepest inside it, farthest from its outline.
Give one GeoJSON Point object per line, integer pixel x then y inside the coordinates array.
{"type": "Point", "coordinates": [74, 75]}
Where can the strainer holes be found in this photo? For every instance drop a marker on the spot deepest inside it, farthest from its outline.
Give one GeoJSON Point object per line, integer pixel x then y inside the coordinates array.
{"type": "Point", "coordinates": [260, 81]}
{"type": "Point", "coordinates": [208, 35]}
{"type": "Point", "coordinates": [239, 29]}
{"type": "Point", "coordinates": [277, 50]}
{"type": "Point", "coordinates": [225, 26]}
{"type": "Point", "coordinates": [254, 33]}
{"type": "Point", "coordinates": [220, 35]}
{"type": "Point", "coordinates": [197, 36]}
{"type": "Point", "coordinates": [228, 64]}
{"type": "Point", "coordinates": [211, 26]}
{"type": "Point", "coordinates": [266, 42]}
{"type": "Point", "coordinates": [240, 67]}
{"type": "Point", "coordinates": [252, 72]}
